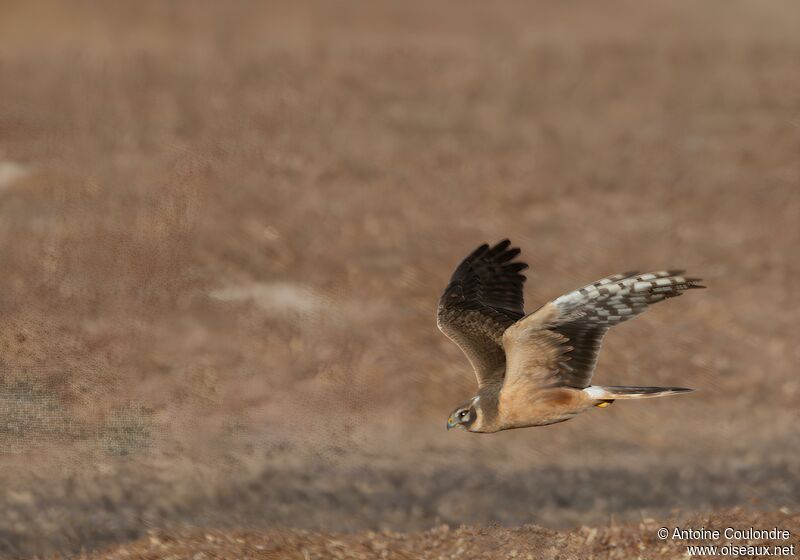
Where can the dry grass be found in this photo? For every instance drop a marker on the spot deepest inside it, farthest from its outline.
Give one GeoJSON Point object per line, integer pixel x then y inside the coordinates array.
{"type": "Point", "coordinates": [225, 228]}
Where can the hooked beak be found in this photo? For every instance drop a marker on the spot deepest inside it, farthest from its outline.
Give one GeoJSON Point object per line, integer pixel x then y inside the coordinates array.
{"type": "Point", "coordinates": [451, 423]}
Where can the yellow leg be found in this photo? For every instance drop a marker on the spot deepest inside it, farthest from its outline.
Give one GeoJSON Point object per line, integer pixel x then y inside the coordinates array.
{"type": "Point", "coordinates": [603, 404]}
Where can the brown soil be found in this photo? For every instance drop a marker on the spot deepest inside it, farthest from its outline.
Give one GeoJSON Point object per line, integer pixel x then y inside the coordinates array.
{"type": "Point", "coordinates": [224, 228]}
{"type": "Point", "coordinates": [491, 542]}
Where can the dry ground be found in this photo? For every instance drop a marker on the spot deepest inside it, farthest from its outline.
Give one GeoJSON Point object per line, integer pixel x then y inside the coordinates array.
{"type": "Point", "coordinates": [224, 228]}
{"type": "Point", "coordinates": [490, 542]}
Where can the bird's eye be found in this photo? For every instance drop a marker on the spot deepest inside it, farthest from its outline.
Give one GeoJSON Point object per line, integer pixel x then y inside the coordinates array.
{"type": "Point", "coordinates": [462, 413]}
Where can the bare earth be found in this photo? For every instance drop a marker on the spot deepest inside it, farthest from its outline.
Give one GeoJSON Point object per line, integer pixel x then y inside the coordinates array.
{"type": "Point", "coordinates": [224, 228]}
{"type": "Point", "coordinates": [526, 543]}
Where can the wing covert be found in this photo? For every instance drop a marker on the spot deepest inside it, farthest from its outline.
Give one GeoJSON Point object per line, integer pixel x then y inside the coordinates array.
{"type": "Point", "coordinates": [558, 344]}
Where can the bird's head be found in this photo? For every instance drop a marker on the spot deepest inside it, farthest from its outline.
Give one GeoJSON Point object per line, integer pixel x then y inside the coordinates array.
{"type": "Point", "coordinates": [466, 415]}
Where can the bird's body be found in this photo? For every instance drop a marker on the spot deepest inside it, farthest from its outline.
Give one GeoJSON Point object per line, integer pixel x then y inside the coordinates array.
{"type": "Point", "coordinates": [535, 370]}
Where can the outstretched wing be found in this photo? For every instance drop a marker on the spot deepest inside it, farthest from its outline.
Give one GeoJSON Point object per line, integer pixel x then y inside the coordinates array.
{"type": "Point", "coordinates": [557, 345]}
{"type": "Point", "coordinates": [483, 298]}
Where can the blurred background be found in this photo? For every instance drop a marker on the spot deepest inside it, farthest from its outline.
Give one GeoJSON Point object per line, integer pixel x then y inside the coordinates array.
{"type": "Point", "coordinates": [224, 228]}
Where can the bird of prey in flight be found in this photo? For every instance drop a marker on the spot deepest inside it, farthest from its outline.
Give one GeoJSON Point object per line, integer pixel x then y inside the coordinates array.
{"type": "Point", "coordinates": [536, 369]}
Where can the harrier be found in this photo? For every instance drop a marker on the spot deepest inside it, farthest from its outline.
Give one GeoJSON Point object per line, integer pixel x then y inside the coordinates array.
{"type": "Point", "coordinates": [535, 369]}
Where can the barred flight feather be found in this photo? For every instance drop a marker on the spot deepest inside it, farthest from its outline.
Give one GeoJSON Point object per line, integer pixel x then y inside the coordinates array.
{"type": "Point", "coordinates": [616, 299]}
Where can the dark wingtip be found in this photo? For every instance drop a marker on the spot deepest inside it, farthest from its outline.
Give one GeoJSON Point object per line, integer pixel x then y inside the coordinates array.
{"type": "Point", "coordinates": [478, 252]}
{"type": "Point", "coordinates": [508, 255]}
{"type": "Point", "coordinates": [500, 247]}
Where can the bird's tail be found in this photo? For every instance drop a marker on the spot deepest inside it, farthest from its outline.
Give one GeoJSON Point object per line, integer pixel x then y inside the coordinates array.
{"type": "Point", "coordinates": [606, 395]}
